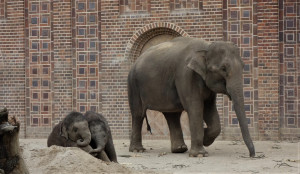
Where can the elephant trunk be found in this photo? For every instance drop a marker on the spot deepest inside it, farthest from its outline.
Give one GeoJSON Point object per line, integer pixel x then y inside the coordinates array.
{"type": "Point", "coordinates": [85, 140]}
{"type": "Point", "coordinates": [236, 93]}
{"type": "Point", "coordinates": [104, 157]}
{"type": "Point", "coordinates": [100, 143]}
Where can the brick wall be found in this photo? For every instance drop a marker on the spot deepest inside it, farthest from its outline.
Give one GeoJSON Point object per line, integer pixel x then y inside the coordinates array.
{"type": "Point", "coordinates": [39, 65]}
{"type": "Point", "coordinates": [119, 27]}
{"type": "Point", "coordinates": [240, 27]}
{"type": "Point", "coordinates": [268, 84]}
{"type": "Point", "coordinates": [75, 55]}
{"type": "Point", "coordinates": [289, 61]}
{"type": "Point", "coordinates": [12, 62]}
{"type": "Point", "coordinates": [63, 64]}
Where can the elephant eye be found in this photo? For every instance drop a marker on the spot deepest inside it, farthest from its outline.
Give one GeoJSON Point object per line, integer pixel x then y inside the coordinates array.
{"type": "Point", "coordinates": [223, 68]}
{"type": "Point", "coordinates": [75, 129]}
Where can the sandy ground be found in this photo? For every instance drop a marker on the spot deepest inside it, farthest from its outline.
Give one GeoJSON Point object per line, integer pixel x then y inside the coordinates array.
{"type": "Point", "coordinates": [224, 157]}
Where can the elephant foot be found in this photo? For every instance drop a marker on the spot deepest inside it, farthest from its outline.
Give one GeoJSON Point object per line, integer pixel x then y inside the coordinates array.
{"type": "Point", "coordinates": [135, 148]}
{"type": "Point", "coordinates": [179, 148]}
{"type": "Point", "coordinates": [210, 135]}
{"type": "Point", "coordinates": [208, 141]}
{"type": "Point", "coordinates": [198, 153]}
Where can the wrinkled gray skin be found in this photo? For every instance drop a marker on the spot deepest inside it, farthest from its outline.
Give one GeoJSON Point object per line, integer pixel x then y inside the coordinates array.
{"type": "Point", "coordinates": [73, 131]}
{"type": "Point", "coordinates": [186, 74]}
{"type": "Point", "coordinates": [101, 137]}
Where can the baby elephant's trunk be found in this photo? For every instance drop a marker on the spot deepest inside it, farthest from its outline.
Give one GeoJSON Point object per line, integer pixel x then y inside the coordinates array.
{"type": "Point", "coordinates": [100, 144]}
{"type": "Point", "coordinates": [104, 157]}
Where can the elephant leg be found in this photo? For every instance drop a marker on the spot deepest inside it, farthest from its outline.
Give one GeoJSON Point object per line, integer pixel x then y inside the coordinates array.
{"type": "Point", "coordinates": [176, 136]}
{"type": "Point", "coordinates": [195, 113]}
{"type": "Point", "coordinates": [136, 134]}
{"type": "Point", "coordinates": [110, 150]}
{"type": "Point", "coordinates": [212, 120]}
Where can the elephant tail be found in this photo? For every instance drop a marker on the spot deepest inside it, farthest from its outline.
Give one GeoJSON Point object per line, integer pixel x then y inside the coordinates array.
{"type": "Point", "coordinates": [134, 99]}
{"type": "Point", "coordinates": [133, 94]}
{"type": "Point", "coordinates": [148, 125]}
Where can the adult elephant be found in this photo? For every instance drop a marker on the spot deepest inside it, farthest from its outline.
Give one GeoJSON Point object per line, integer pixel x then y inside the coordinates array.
{"type": "Point", "coordinates": [186, 74]}
{"type": "Point", "coordinates": [73, 131]}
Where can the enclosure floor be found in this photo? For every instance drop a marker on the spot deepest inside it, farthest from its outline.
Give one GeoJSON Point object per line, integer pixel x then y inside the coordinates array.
{"type": "Point", "coordinates": [224, 157]}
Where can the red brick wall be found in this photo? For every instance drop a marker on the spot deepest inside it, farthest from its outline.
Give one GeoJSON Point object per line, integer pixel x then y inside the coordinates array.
{"type": "Point", "coordinates": [62, 37]}
{"type": "Point", "coordinates": [75, 55]}
{"type": "Point", "coordinates": [289, 60]}
{"type": "Point", "coordinates": [39, 65]}
{"type": "Point", "coordinates": [268, 82]}
{"type": "Point", "coordinates": [240, 27]}
{"type": "Point", "coordinates": [12, 62]}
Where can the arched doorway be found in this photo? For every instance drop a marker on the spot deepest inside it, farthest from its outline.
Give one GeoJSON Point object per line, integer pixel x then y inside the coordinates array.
{"type": "Point", "coordinates": [156, 119]}
{"type": "Point", "coordinates": [157, 40]}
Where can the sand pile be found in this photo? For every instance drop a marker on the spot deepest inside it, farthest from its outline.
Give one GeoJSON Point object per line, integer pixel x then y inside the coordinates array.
{"type": "Point", "coordinates": [66, 160]}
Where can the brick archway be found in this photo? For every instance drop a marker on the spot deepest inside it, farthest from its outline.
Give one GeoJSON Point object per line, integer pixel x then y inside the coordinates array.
{"type": "Point", "coordinates": [142, 36]}
{"type": "Point", "coordinates": [150, 35]}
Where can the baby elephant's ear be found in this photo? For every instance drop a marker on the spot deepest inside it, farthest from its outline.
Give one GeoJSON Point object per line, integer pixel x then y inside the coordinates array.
{"type": "Point", "coordinates": [198, 63]}
{"type": "Point", "coordinates": [63, 131]}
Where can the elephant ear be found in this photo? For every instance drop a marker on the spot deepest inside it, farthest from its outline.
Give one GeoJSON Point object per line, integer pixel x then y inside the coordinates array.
{"type": "Point", "coordinates": [198, 63]}
{"type": "Point", "coordinates": [63, 131]}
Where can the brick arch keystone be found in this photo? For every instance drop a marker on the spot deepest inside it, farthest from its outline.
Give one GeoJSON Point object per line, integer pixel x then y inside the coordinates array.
{"type": "Point", "coordinates": [142, 36]}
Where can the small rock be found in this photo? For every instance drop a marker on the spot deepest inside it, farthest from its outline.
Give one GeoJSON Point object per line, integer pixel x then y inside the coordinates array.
{"type": "Point", "coordinates": [162, 154]}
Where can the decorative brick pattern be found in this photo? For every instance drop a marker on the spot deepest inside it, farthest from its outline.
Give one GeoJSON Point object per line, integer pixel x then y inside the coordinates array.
{"type": "Point", "coordinates": [240, 28]}
{"type": "Point", "coordinates": [186, 5]}
{"type": "Point", "coordinates": [2, 9]}
{"type": "Point", "coordinates": [77, 53]}
{"type": "Point", "coordinates": [134, 6]}
{"type": "Point", "coordinates": [86, 55]}
{"type": "Point", "coordinates": [289, 57]}
{"type": "Point", "coordinates": [39, 63]}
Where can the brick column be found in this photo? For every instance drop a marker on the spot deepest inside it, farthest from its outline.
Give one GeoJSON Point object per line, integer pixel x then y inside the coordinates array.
{"type": "Point", "coordinates": [289, 54]}
{"type": "Point", "coordinates": [239, 27]}
{"type": "Point", "coordinates": [39, 67]}
{"type": "Point", "coordinates": [86, 55]}
{"type": "Point", "coordinates": [268, 72]}
{"type": "Point", "coordinates": [62, 38]}
{"type": "Point", "coordinates": [12, 62]}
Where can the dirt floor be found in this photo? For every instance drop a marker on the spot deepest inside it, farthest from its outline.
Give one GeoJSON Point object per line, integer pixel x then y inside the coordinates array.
{"type": "Point", "coordinates": [224, 157]}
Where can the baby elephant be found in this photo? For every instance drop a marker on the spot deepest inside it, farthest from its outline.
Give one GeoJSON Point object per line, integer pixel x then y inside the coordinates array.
{"type": "Point", "coordinates": [101, 136]}
{"type": "Point", "coordinates": [73, 131]}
